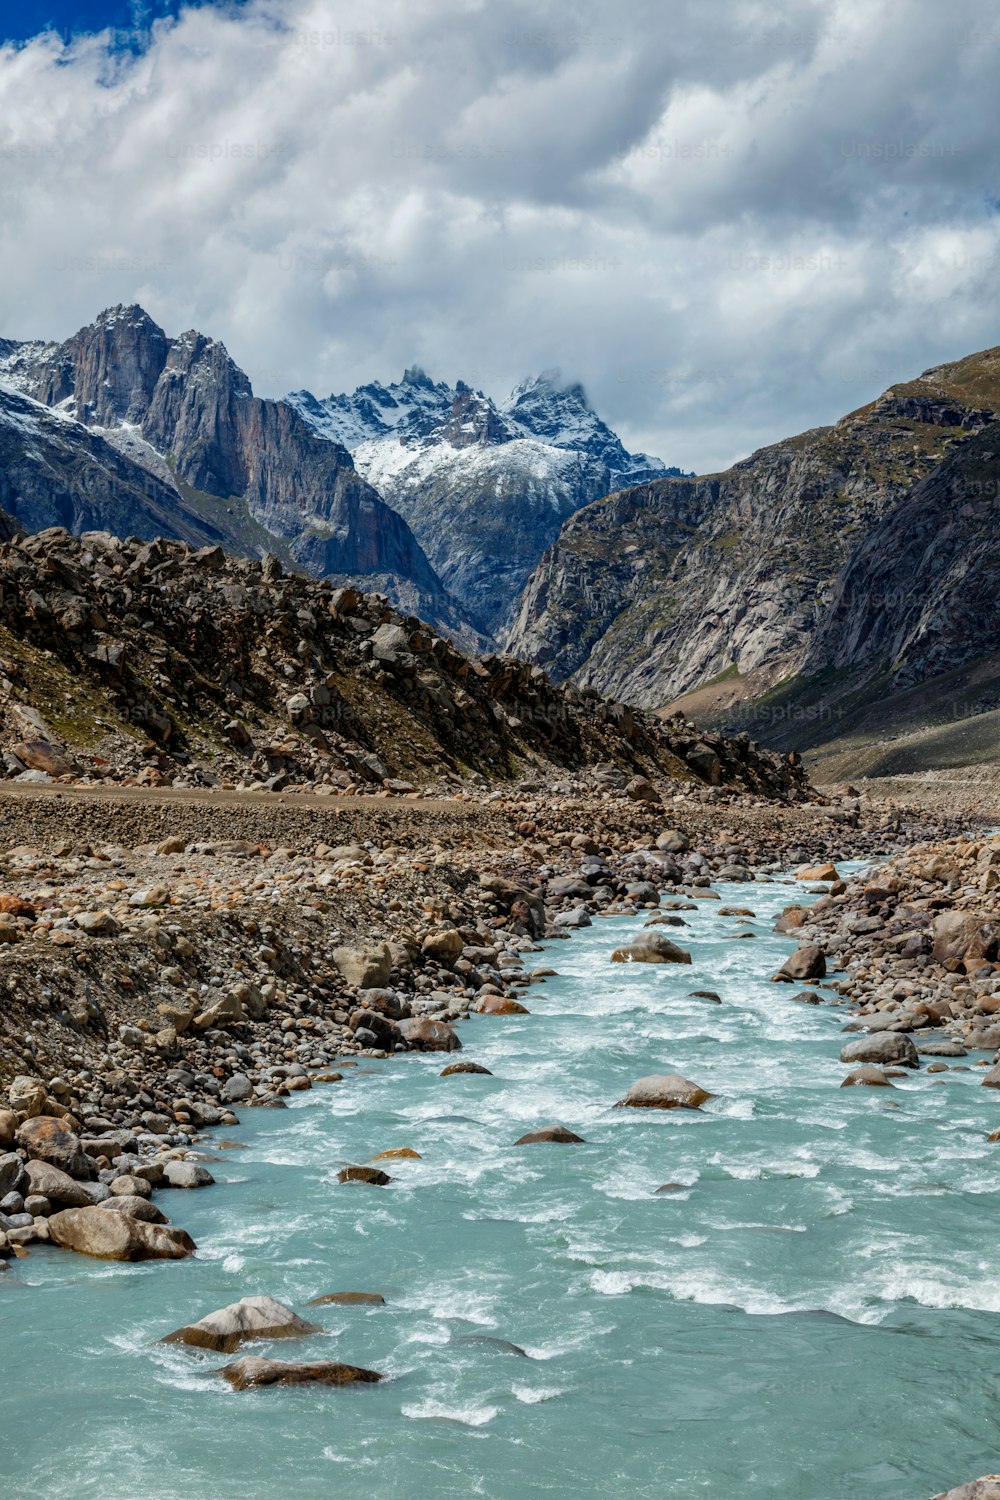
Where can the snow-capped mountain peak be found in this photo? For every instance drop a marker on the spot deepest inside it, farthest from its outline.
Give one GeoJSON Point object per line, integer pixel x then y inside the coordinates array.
{"type": "Point", "coordinates": [484, 485]}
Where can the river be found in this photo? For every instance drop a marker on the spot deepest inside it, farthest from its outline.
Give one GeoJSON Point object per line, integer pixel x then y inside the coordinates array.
{"type": "Point", "coordinates": [812, 1312]}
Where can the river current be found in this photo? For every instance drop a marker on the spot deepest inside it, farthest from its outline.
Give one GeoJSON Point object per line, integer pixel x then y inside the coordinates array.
{"type": "Point", "coordinates": [812, 1311]}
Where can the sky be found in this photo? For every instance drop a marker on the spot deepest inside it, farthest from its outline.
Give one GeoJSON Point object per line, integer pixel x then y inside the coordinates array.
{"type": "Point", "coordinates": [731, 220]}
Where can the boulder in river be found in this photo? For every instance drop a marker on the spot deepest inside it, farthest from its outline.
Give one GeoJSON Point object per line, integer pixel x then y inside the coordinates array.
{"type": "Point", "coordinates": [398, 1153]}
{"type": "Point", "coordinates": [500, 1005]}
{"type": "Point", "coordinates": [348, 1299]}
{"type": "Point", "coordinates": [866, 1076]}
{"type": "Point", "coordinates": [373, 1176]}
{"type": "Point", "coordinates": [117, 1236]}
{"type": "Point", "coordinates": [664, 1091]}
{"type": "Point", "coordinates": [882, 1047]}
{"type": "Point", "coordinates": [557, 1135]}
{"type": "Point", "coordinates": [651, 948]}
{"type": "Point", "coordinates": [186, 1174]}
{"type": "Point", "coordinates": [250, 1318]}
{"type": "Point", "coordinates": [805, 963]}
{"type": "Point", "coordinates": [817, 872]}
{"type": "Point", "coordinates": [422, 1034]}
{"type": "Point", "coordinates": [464, 1067]}
{"type": "Point", "coordinates": [705, 995]}
{"type": "Point", "coordinates": [247, 1373]}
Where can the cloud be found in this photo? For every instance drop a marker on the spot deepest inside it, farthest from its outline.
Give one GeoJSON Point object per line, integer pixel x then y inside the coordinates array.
{"type": "Point", "coordinates": [728, 223]}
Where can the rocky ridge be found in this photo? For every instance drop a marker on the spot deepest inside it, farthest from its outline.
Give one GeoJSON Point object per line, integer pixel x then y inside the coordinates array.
{"type": "Point", "coordinates": [164, 665]}
{"type": "Point", "coordinates": [798, 590]}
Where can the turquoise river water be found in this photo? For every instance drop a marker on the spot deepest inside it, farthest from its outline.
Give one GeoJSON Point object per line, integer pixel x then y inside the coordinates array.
{"type": "Point", "coordinates": [815, 1315]}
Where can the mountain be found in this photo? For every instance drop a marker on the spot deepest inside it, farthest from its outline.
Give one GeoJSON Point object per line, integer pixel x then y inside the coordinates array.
{"type": "Point", "coordinates": [485, 487]}
{"type": "Point", "coordinates": [257, 475]}
{"type": "Point", "coordinates": [156, 663]}
{"type": "Point", "coordinates": [56, 472]}
{"type": "Point", "coordinates": [805, 590]}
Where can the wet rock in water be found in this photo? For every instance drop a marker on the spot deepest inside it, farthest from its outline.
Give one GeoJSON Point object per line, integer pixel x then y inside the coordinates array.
{"type": "Point", "coordinates": [991, 1080]}
{"type": "Point", "coordinates": [186, 1174]}
{"type": "Point", "coordinates": [664, 1091]}
{"type": "Point", "coordinates": [817, 872]}
{"type": "Point", "coordinates": [247, 1373]}
{"type": "Point", "coordinates": [348, 1299]}
{"type": "Point", "coordinates": [250, 1318]}
{"type": "Point", "coordinates": [942, 1049]}
{"type": "Point", "coordinates": [557, 1135]}
{"type": "Point", "coordinates": [500, 1005]}
{"type": "Point", "coordinates": [671, 1187]}
{"type": "Point", "coordinates": [422, 1034]}
{"type": "Point", "coordinates": [399, 1153]}
{"type": "Point", "coordinates": [866, 1076]}
{"type": "Point", "coordinates": [117, 1236]}
{"type": "Point", "coordinates": [374, 1176]}
{"type": "Point", "coordinates": [734, 911]}
{"type": "Point", "coordinates": [502, 1346]}
{"type": "Point", "coordinates": [651, 948]}
{"type": "Point", "coordinates": [805, 963]}
{"type": "Point", "coordinates": [705, 995]}
{"type": "Point", "coordinates": [882, 1047]}
{"type": "Point", "coordinates": [464, 1067]}
{"type": "Point", "coordinates": [808, 997]}
{"type": "Point", "coordinates": [791, 919]}
{"type": "Point", "coordinates": [46, 1138]}
{"type": "Point", "coordinates": [986, 1488]}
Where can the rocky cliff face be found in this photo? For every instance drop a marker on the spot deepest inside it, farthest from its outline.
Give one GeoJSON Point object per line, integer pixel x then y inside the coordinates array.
{"type": "Point", "coordinates": [484, 487]}
{"type": "Point", "coordinates": [869, 545]}
{"type": "Point", "coordinates": [56, 472]}
{"type": "Point", "coordinates": [269, 483]}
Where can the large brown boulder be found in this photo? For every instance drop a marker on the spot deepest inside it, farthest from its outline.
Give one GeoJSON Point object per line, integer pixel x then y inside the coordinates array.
{"type": "Point", "coordinates": [500, 1005]}
{"type": "Point", "coordinates": [817, 872]}
{"type": "Point", "coordinates": [664, 1091]}
{"type": "Point", "coordinates": [423, 1034]}
{"type": "Point", "coordinates": [445, 944]}
{"type": "Point", "coordinates": [805, 963]}
{"type": "Point", "coordinates": [556, 1135]}
{"type": "Point", "coordinates": [651, 948]}
{"type": "Point", "coordinates": [247, 1373]}
{"type": "Point", "coordinates": [47, 1139]}
{"type": "Point", "coordinates": [250, 1318]}
{"type": "Point", "coordinates": [791, 919]}
{"type": "Point", "coordinates": [373, 1176]}
{"type": "Point", "coordinates": [959, 934]}
{"type": "Point", "coordinates": [348, 1299]}
{"type": "Point", "coordinates": [464, 1067]}
{"type": "Point", "coordinates": [117, 1236]}
{"type": "Point", "coordinates": [892, 1047]}
{"type": "Point", "coordinates": [365, 968]}
{"type": "Point", "coordinates": [867, 1076]}
{"type": "Point", "coordinates": [59, 1187]}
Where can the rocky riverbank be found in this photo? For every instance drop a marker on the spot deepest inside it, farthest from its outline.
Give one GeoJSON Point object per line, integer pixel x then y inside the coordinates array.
{"type": "Point", "coordinates": [166, 963]}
